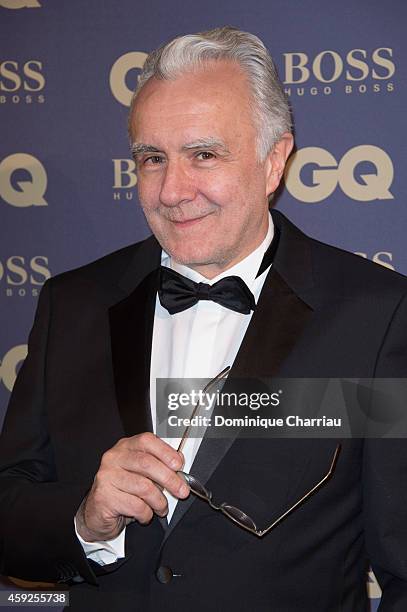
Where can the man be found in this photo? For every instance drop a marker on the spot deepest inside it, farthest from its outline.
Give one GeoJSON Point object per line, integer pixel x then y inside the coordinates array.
{"type": "Point", "coordinates": [210, 133]}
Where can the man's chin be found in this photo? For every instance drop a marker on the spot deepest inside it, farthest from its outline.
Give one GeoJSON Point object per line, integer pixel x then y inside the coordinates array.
{"type": "Point", "coordinates": [189, 260]}
{"type": "Point", "coordinates": [207, 264]}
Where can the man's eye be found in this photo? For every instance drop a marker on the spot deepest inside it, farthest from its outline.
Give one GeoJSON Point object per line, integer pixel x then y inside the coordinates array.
{"type": "Point", "coordinates": [153, 159]}
{"type": "Point", "coordinates": [205, 155]}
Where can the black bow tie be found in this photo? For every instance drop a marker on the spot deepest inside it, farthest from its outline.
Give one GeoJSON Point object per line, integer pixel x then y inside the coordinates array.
{"type": "Point", "coordinates": [177, 293]}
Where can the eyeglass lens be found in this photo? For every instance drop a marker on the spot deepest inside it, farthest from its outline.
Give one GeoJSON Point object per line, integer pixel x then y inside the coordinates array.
{"type": "Point", "coordinates": [239, 516]}
{"type": "Point", "coordinates": [195, 485]}
{"type": "Point", "coordinates": [231, 511]}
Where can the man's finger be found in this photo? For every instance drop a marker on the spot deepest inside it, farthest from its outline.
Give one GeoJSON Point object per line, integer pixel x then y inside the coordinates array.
{"type": "Point", "coordinates": [150, 443]}
{"type": "Point", "coordinates": [141, 463]}
{"type": "Point", "coordinates": [144, 488]}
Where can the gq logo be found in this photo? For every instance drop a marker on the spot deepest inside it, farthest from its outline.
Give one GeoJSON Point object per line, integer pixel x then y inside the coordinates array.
{"type": "Point", "coordinates": [118, 74]}
{"type": "Point", "coordinates": [8, 366]}
{"type": "Point", "coordinates": [30, 192]}
{"type": "Point", "coordinates": [329, 173]}
{"type": "Point", "coordinates": [19, 4]}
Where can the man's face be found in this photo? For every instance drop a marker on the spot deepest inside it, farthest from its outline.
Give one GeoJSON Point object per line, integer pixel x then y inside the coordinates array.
{"type": "Point", "coordinates": [201, 185]}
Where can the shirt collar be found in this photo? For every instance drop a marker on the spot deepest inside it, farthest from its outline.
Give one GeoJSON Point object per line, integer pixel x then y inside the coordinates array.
{"type": "Point", "coordinates": [245, 269]}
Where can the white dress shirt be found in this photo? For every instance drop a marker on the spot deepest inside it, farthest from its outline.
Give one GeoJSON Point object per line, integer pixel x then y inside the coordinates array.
{"type": "Point", "coordinates": [196, 343]}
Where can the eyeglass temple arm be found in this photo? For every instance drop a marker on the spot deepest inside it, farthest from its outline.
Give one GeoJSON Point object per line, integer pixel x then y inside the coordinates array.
{"type": "Point", "coordinates": [310, 492]}
{"type": "Point", "coordinates": [218, 377]}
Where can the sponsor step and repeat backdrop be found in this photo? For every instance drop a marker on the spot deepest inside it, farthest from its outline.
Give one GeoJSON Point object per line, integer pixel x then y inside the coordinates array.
{"type": "Point", "coordinates": [67, 181]}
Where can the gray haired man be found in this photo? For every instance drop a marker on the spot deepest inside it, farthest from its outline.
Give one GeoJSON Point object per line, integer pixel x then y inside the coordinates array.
{"type": "Point", "coordinates": [223, 282]}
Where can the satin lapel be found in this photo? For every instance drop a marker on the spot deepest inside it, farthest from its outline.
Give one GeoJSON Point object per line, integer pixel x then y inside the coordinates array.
{"type": "Point", "coordinates": [131, 328]}
{"type": "Point", "coordinates": [276, 325]}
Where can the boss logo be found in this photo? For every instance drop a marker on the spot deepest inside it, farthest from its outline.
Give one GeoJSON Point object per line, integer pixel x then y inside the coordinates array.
{"type": "Point", "coordinates": [21, 82]}
{"type": "Point", "coordinates": [17, 272]}
{"type": "Point", "coordinates": [10, 363]}
{"type": "Point", "coordinates": [24, 276]}
{"type": "Point", "coordinates": [15, 76]}
{"type": "Point", "coordinates": [327, 173]}
{"type": "Point", "coordinates": [328, 66]}
{"type": "Point", "coordinates": [124, 179]}
{"type": "Point", "coordinates": [23, 193]}
{"type": "Point", "coordinates": [119, 72]}
{"type": "Point", "coordinates": [19, 4]}
{"type": "Point", "coordinates": [384, 258]}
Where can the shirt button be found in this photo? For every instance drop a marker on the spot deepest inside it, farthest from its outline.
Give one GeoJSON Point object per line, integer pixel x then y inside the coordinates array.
{"type": "Point", "coordinates": [164, 574]}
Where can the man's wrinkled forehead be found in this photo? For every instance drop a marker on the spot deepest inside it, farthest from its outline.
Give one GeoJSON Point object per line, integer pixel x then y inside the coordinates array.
{"type": "Point", "coordinates": [196, 94]}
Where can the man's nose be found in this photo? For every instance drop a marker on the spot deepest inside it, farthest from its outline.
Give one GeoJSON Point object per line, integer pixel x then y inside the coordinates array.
{"type": "Point", "coordinates": [177, 185]}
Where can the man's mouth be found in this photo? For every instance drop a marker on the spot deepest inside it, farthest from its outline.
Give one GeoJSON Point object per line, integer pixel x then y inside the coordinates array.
{"type": "Point", "coordinates": [189, 222]}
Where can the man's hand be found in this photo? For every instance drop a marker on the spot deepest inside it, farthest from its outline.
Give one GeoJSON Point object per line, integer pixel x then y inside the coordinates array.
{"type": "Point", "coordinates": [128, 486]}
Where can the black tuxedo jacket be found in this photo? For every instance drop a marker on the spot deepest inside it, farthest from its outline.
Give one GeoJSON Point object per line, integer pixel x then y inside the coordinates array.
{"type": "Point", "coordinates": [85, 384]}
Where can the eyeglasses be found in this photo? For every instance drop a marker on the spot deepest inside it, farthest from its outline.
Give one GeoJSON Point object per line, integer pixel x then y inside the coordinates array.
{"type": "Point", "coordinates": [241, 518]}
{"type": "Point", "coordinates": [235, 514]}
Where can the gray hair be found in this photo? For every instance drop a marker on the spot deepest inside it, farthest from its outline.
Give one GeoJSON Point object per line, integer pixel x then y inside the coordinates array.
{"type": "Point", "coordinates": [271, 110]}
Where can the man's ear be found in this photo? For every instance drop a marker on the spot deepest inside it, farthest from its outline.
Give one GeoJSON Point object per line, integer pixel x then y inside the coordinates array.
{"type": "Point", "coordinates": [276, 160]}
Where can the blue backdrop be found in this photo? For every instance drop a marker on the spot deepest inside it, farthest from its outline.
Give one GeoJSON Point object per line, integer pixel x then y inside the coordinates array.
{"type": "Point", "coordinates": [67, 182]}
